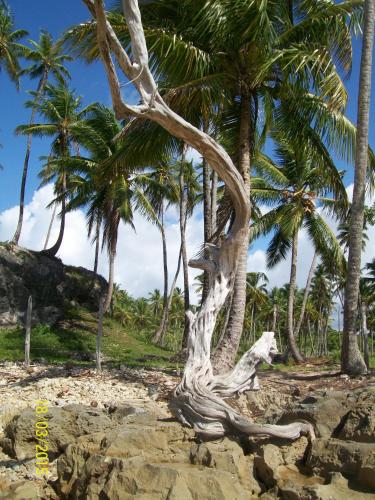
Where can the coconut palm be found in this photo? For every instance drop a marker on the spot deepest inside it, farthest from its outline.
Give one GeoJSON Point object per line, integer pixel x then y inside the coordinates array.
{"type": "Point", "coordinates": [47, 60]}
{"type": "Point", "coordinates": [344, 227]}
{"type": "Point", "coordinates": [10, 47]}
{"type": "Point", "coordinates": [298, 184]}
{"type": "Point", "coordinates": [109, 189]}
{"type": "Point", "coordinates": [161, 190]}
{"type": "Point", "coordinates": [64, 123]}
{"type": "Point", "coordinates": [351, 359]}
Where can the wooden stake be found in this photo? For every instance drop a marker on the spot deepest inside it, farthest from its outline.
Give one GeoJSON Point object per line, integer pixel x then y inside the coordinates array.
{"type": "Point", "coordinates": [28, 331]}
{"type": "Point", "coordinates": [99, 337]}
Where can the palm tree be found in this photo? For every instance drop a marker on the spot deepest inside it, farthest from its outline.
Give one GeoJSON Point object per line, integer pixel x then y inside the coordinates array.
{"type": "Point", "coordinates": [304, 176]}
{"type": "Point", "coordinates": [351, 359]}
{"type": "Point", "coordinates": [109, 189]}
{"type": "Point", "coordinates": [10, 48]}
{"type": "Point", "coordinates": [47, 59]}
{"type": "Point", "coordinates": [161, 190]}
{"type": "Point", "coordinates": [344, 227]}
{"type": "Point", "coordinates": [63, 121]}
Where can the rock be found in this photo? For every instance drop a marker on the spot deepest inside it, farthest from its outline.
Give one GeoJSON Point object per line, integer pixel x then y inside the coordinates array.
{"type": "Point", "coordinates": [226, 455]}
{"type": "Point", "coordinates": [64, 426]}
{"type": "Point", "coordinates": [157, 460]}
{"type": "Point", "coordinates": [267, 461]}
{"type": "Point", "coordinates": [337, 489]}
{"type": "Point", "coordinates": [355, 461]}
{"type": "Point", "coordinates": [323, 410]}
{"type": "Point", "coordinates": [359, 423]}
{"type": "Point", "coordinates": [21, 490]}
{"type": "Point", "coordinates": [51, 284]}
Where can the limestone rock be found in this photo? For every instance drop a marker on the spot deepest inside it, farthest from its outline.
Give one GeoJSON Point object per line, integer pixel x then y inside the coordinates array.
{"type": "Point", "coordinates": [359, 423]}
{"type": "Point", "coordinates": [355, 461]}
{"type": "Point", "coordinates": [64, 426]}
{"type": "Point", "coordinates": [155, 461]}
{"type": "Point", "coordinates": [20, 490]}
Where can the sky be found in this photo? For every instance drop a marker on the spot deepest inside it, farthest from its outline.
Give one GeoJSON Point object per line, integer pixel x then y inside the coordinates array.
{"type": "Point", "coordinates": [139, 258]}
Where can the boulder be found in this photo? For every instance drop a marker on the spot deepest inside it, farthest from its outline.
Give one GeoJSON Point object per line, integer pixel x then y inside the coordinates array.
{"type": "Point", "coordinates": [158, 460]}
{"type": "Point", "coordinates": [355, 461]}
{"type": "Point", "coordinates": [51, 284]}
{"type": "Point", "coordinates": [64, 426]}
{"type": "Point", "coordinates": [324, 410]}
{"type": "Point", "coordinates": [20, 490]}
{"type": "Point", "coordinates": [359, 423]}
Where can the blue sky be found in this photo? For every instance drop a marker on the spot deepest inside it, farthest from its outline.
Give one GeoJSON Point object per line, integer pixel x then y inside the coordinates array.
{"type": "Point", "coordinates": [88, 80]}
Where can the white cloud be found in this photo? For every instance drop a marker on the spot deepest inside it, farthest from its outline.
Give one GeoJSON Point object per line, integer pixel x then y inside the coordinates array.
{"type": "Point", "coordinates": [138, 266]}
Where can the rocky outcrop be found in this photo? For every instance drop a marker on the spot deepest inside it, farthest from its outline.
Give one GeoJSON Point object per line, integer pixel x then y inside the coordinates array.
{"type": "Point", "coordinates": [53, 286]}
{"type": "Point", "coordinates": [153, 459]}
{"type": "Point", "coordinates": [135, 450]}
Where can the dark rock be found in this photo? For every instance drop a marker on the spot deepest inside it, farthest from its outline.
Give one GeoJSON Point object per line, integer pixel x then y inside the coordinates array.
{"type": "Point", "coordinates": [52, 285]}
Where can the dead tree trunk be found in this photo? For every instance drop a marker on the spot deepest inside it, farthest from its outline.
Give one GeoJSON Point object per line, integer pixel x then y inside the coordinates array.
{"type": "Point", "coordinates": [198, 399]}
{"type": "Point", "coordinates": [28, 331]}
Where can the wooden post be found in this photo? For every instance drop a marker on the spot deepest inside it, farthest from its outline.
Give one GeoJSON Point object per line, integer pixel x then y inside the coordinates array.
{"type": "Point", "coordinates": [99, 336]}
{"type": "Point", "coordinates": [28, 331]}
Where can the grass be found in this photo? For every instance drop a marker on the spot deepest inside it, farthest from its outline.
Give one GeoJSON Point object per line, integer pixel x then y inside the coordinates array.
{"type": "Point", "coordinates": [75, 337]}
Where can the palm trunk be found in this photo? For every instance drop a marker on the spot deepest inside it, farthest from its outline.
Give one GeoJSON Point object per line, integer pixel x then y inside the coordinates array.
{"type": "Point", "coordinates": [207, 213]}
{"type": "Point", "coordinates": [292, 289]}
{"type": "Point", "coordinates": [161, 332]}
{"type": "Point", "coordinates": [56, 247]}
{"type": "Point", "coordinates": [40, 90]}
{"type": "Point", "coordinates": [274, 318]}
{"type": "Point", "coordinates": [183, 219]}
{"type": "Point", "coordinates": [170, 298]}
{"type": "Point", "coordinates": [108, 299]}
{"type": "Point", "coordinates": [351, 359]}
{"type": "Point", "coordinates": [225, 354]}
{"type": "Point", "coordinates": [97, 246]}
{"type": "Point", "coordinates": [50, 227]}
{"type": "Point", "coordinates": [365, 334]}
{"type": "Point", "coordinates": [306, 295]}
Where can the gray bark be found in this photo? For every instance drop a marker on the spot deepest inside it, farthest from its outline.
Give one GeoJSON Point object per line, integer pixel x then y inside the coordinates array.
{"type": "Point", "coordinates": [351, 359]}
{"type": "Point", "coordinates": [170, 298]}
{"type": "Point", "coordinates": [306, 295]}
{"type": "Point", "coordinates": [28, 331]}
{"type": "Point", "coordinates": [162, 328]}
{"type": "Point", "coordinates": [99, 337]}
{"type": "Point", "coordinates": [207, 214]}
{"type": "Point", "coordinates": [50, 227]}
{"type": "Point", "coordinates": [183, 220]}
{"type": "Point", "coordinates": [97, 245]}
{"type": "Point", "coordinates": [292, 289]}
{"type": "Point", "coordinates": [365, 333]}
{"type": "Point", "coordinates": [214, 181]}
{"type": "Point", "coordinates": [108, 299]}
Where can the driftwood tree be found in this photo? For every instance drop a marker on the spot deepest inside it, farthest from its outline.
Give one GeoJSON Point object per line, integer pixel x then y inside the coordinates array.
{"type": "Point", "coordinates": [198, 399]}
